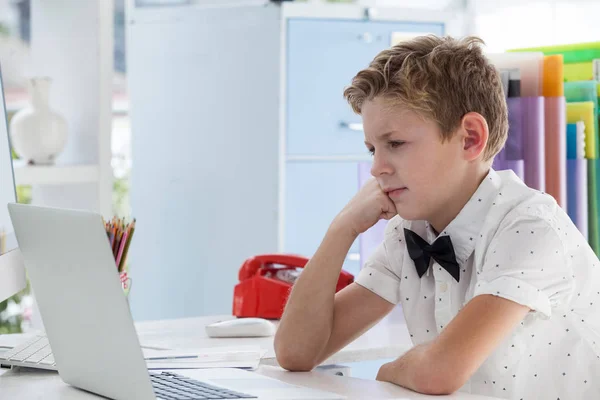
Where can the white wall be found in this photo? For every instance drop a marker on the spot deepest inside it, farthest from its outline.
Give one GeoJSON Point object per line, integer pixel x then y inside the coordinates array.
{"type": "Point", "coordinates": [204, 91]}
{"type": "Point", "coordinates": [71, 42]}
{"type": "Point", "coordinates": [518, 24]}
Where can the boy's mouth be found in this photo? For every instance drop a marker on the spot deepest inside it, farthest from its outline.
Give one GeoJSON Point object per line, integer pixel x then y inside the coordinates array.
{"type": "Point", "coordinates": [395, 192]}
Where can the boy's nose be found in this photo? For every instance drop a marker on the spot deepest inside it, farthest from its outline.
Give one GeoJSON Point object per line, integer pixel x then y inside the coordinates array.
{"type": "Point", "coordinates": [380, 167]}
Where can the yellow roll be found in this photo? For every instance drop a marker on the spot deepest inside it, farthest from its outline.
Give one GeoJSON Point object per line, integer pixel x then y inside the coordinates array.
{"type": "Point", "coordinates": [583, 71]}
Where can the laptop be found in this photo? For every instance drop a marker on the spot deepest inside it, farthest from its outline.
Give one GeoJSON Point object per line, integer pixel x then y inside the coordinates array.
{"type": "Point", "coordinates": [89, 325]}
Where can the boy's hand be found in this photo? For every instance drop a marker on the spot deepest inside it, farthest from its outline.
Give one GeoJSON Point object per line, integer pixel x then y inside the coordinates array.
{"type": "Point", "coordinates": [367, 207]}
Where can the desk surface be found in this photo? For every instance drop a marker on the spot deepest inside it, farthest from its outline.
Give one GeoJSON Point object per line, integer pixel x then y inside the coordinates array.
{"type": "Point", "coordinates": [36, 384]}
{"type": "Point", "coordinates": [388, 339]}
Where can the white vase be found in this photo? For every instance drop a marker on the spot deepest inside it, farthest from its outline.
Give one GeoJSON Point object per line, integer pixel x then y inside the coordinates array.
{"type": "Point", "coordinates": [38, 134]}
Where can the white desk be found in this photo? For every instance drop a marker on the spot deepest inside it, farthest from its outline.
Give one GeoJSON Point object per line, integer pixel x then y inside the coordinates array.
{"type": "Point", "coordinates": [32, 385]}
{"type": "Point", "coordinates": [389, 339]}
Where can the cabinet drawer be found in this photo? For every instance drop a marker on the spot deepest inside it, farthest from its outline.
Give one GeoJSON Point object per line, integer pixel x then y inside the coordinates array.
{"type": "Point", "coordinates": [322, 58]}
{"type": "Point", "coordinates": [315, 193]}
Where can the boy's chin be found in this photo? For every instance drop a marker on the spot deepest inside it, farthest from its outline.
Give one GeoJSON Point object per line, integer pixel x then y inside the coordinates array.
{"type": "Point", "coordinates": [409, 214]}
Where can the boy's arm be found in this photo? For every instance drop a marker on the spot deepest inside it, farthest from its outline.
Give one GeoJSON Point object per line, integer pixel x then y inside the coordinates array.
{"type": "Point", "coordinates": [356, 310]}
{"type": "Point", "coordinates": [317, 322]}
{"type": "Point", "coordinates": [444, 365]}
{"type": "Point", "coordinates": [520, 275]}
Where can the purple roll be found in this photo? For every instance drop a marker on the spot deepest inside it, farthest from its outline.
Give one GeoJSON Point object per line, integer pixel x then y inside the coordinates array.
{"type": "Point", "coordinates": [517, 166]}
{"type": "Point", "coordinates": [513, 150]}
{"type": "Point", "coordinates": [577, 194]}
{"type": "Point", "coordinates": [533, 142]}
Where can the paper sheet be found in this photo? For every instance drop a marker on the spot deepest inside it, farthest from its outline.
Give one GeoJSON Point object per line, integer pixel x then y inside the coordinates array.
{"type": "Point", "coordinates": [214, 357]}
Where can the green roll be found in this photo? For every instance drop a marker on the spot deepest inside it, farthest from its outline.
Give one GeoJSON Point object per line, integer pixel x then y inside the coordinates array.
{"type": "Point", "coordinates": [593, 195]}
{"type": "Point", "coordinates": [572, 53]}
{"type": "Point", "coordinates": [584, 91]}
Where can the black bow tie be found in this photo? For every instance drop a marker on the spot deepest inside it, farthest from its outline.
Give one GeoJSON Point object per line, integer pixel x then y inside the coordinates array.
{"type": "Point", "coordinates": [441, 251]}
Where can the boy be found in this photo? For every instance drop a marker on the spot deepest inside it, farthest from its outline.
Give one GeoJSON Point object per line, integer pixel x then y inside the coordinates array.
{"type": "Point", "coordinates": [500, 292]}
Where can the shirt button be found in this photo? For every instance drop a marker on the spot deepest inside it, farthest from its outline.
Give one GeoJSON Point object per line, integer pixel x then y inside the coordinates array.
{"type": "Point", "coordinates": [443, 287]}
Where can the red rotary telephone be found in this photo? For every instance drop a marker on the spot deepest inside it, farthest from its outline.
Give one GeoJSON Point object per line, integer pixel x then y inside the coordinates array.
{"type": "Point", "coordinates": [265, 283]}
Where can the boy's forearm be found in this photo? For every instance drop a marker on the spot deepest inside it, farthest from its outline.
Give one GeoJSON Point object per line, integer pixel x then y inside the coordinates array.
{"type": "Point", "coordinates": [306, 324]}
{"type": "Point", "coordinates": [418, 370]}
{"type": "Point", "coordinates": [405, 370]}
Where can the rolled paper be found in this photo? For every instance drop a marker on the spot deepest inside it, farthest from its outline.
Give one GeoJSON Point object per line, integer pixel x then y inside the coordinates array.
{"type": "Point", "coordinates": [584, 111]}
{"type": "Point", "coordinates": [555, 126]}
{"type": "Point", "coordinates": [581, 92]}
{"type": "Point", "coordinates": [531, 66]}
{"type": "Point", "coordinates": [579, 71]}
{"type": "Point", "coordinates": [552, 84]}
{"type": "Point", "coordinates": [514, 141]}
{"type": "Point", "coordinates": [572, 141]}
{"type": "Point", "coordinates": [572, 53]}
{"type": "Point", "coordinates": [517, 166]}
{"type": "Point", "coordinates": [533, 142]}
{"type": "Point", "coordinates": [593, 233]}
{"type": "Point", "coordinates": [577, 192]}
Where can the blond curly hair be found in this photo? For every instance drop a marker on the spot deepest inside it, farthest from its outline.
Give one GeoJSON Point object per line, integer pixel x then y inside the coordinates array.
{"type": "Point", "coordinates": [440, 78]}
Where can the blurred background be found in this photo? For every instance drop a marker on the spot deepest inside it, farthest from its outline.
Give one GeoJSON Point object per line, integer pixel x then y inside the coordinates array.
{"type": "Point", "coordinates": [220, 124]}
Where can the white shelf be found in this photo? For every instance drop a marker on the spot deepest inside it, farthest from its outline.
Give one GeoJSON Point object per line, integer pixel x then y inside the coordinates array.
{"type": "Point", "coordinates": [55, 174]}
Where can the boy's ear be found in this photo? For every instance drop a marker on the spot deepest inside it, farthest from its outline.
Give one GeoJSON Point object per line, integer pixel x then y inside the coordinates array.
{"type": "Point", "coordinates": [476, 133]}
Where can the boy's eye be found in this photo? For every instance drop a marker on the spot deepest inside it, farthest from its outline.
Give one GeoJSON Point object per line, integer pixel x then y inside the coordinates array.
{"type": "Point", "coordinates": [372, 151]}
{"type": "Point", "coordinates": [393, 144]}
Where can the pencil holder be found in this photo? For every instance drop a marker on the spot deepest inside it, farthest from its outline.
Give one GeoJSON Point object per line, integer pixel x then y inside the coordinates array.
{"type": "Point", "coordinates": [125, 279]}
{"type": "Point", "coordinates": [125, 282]}
{"type": "Point", "coordinates": [119, 236]}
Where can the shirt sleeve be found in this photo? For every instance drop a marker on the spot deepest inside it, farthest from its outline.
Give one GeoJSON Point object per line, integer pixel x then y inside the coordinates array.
{"type": "Point", "coordinates": [378, 276]}
{"type": "Point", "coordinates": [526, 263]}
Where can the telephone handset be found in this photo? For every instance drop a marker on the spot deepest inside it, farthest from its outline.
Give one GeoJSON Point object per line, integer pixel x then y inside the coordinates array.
{"type": "Point", "coordinates": [265, 283]}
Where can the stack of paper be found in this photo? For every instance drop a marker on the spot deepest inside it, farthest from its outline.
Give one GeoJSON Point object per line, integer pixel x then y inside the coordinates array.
{"type": "Point", "coordinates": [247, 357]}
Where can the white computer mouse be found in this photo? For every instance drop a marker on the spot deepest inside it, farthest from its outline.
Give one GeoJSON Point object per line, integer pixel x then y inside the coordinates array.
{"type": "Point", "coordinates": [241, 327]}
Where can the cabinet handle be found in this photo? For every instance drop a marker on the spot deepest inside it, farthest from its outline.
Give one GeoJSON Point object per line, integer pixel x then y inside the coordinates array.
{"type": "Point", "coordinates": [366, 37]}
{"type": "Point", "coordinates": [353, 126]}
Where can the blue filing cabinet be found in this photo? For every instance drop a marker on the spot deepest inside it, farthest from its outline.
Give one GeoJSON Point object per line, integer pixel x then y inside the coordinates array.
{"type": "Point", "coordinates": [315, 193]}
{"type": "Point", "coordinates": [322, 152]}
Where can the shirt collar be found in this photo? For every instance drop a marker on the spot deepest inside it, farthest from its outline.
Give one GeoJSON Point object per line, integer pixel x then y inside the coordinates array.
{"type": "Point", "coordinates": [465, 228]}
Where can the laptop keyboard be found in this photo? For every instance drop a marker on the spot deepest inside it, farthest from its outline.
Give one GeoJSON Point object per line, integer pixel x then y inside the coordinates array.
{"type": "Point", "coordinates": [33, 353]}
{"type": "Point", "coordinates": [170, 386]}
{"type": "Point", "coordinates": [167, 386]}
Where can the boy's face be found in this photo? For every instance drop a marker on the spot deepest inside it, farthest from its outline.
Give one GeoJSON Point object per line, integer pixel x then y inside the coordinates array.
{"type": "Point", "coordinates": [419, 173]}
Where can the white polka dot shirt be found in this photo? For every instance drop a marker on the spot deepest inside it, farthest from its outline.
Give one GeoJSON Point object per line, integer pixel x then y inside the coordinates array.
{"type": "Point", "coordinates": [514, 242]}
